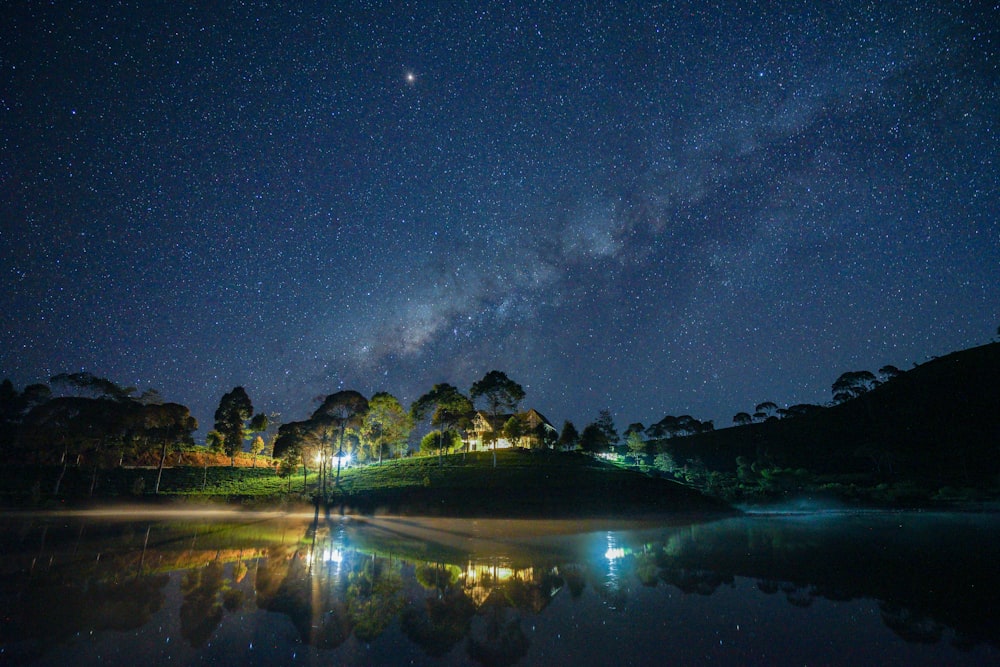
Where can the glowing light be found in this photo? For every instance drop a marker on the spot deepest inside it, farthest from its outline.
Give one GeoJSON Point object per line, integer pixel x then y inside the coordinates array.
{"type": "Point", "coordinates": [614, 553]}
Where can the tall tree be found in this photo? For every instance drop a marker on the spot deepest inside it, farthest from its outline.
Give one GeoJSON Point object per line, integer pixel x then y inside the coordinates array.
{"type": "Point", "coordinates": [499, 392]}
{"type": "Point", "coordinates": [593, 439]}
{"type": "Point", "coordinates": [258, 424]}
{"type": "Point", "coordinates": [386, 424]}
{"type": "Point", "coordinates": [168, 424]}
{"type": "Point", "coordinates": [447, 407]}
{"type": "Point", "coordinates": [636, 444]}
{"type": "Point", "coordinates": [606, 423]}
{"type": "Point", "coordinates": [569, 437]}
{"type": "Point", "coordinates": [231, 417]}
{"type": "Point", "coordinates": [346, 409]}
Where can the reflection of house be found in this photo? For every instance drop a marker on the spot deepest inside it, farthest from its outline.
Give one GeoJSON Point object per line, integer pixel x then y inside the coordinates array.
{"type": "Point", "coordinates": [525, 589]}
{"type": "Point", "coordinates": [486, 429]}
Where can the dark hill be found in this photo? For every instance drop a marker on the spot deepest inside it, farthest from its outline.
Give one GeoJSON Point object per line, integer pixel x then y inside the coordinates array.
{"type": "Point", "coordinates": [938, 423]}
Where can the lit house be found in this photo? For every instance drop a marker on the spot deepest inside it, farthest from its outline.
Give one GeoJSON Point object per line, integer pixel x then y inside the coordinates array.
{"type": "Point", "coordinates": [486, 429]}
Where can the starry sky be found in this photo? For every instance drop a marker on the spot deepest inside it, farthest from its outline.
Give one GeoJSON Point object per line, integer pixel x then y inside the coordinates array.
{"type": "Point", "coordinates": [654, 208]}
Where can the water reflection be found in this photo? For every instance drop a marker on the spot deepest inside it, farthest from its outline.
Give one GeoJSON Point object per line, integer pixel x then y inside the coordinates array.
{"type": "Point", "coordinates": [476, 591]}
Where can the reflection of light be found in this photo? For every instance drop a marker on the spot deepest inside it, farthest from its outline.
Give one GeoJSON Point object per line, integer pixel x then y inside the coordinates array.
{"type": "Point", "coordinates": [334, 556]}
{"type": "Point", "coordinates": [614, 552]}
{"type": "Point", "coordinates": [481, 579]}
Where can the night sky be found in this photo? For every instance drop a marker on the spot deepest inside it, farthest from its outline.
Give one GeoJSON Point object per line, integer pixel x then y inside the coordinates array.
{"type": "Point", "coordinates": [655, 208]}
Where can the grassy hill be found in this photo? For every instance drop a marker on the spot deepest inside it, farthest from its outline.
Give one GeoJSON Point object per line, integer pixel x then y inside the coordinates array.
{"type": "Point", "coordinates": [524, 484]}
{"type": "Point", "coordinates": [936, 425]}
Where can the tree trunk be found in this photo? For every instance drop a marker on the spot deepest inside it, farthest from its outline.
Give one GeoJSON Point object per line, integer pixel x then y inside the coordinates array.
{"type": "Point", "coordinates": [159, 471]}
{"type": "Point", "coordinates": [93, 481]}
{"type": "Point", "coordinates": [62, 471]}
{"type": "Point", "coordinates": [340, 453]}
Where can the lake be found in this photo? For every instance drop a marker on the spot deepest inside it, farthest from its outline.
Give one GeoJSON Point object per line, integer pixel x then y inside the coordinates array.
{"type": "Point", "coordinates": [221, 588]}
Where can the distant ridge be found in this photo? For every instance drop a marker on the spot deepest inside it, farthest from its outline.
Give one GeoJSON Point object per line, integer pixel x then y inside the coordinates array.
{"type": "Point", "coordinates": [937, 423]}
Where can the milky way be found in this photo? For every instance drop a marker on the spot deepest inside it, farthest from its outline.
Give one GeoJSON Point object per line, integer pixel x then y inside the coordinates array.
{"type": "Point", "coordinates": [652, 208]}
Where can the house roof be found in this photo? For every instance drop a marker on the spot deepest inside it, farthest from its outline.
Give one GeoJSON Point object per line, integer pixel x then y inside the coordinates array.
{"type": "Point", "coordinates": [496, 423]}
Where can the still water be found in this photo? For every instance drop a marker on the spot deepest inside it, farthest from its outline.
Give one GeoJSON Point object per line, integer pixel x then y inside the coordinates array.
{"type": "Point", "coordinates": [258, 589]}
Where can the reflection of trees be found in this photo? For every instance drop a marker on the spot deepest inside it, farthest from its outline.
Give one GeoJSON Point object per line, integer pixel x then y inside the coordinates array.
{"type": "Point", "coordinates": [912, 626]}
{"type": "Point", "coordinates": [499, 640]}
{"type": "Point", "coordinates": [201, 610]}
{"type": "Point", "coordinates": [374, 596]}
{"type": "Point", "coordinates": [440, 623]}
{"type": "Point", "coordinates": [51, 610]}
{"type": "Point", "coordinates": [700, 582]}
{"type": "Point", "coordinates": [287, 584]}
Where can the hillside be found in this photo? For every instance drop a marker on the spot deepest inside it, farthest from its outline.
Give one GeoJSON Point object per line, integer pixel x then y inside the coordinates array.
{"type": "Point", "coordinates": [542, 484]}
{"type": "Point", "coordinates": [524, 484]}
{"type": "Point", "coordinates": [937, 424]}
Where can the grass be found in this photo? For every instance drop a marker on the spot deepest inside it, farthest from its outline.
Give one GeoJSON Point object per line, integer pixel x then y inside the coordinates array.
{"type": "Point", "coordinates": [523, 484]}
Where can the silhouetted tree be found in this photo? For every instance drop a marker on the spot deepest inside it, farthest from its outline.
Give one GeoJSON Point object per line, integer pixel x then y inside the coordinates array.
{"type": "Point", "coordinates": [499, 392]}
{"type": "Point", "coordinates": [515, 429]}
{"type": "Point", "coordinates": [231, 417]}
{"type": "Point", "coordinates": [606, 423]}
{"type": "Point", "coordinates": [742, 419]}
{"type": "Point", "coordinates": [569, 437]}
{"type": "Point", "coordinates": [853, 384]}
{"type": "Point", "coordinates": [593, 440]}
{"type": "Point", "coordinates": [169, 425]}
{"type": "Point", "coordinates": [888, 372]}
{"type": "Point", "coordinates": [766, 410]}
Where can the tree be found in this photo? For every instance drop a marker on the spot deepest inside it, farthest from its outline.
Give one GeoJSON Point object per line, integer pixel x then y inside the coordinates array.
{"type": "Point", "coordinates": [346, 409]}
{"type": "Point", "coordinates": [386, 423]}
{"type": "Point", "coordinates": [515, 429]}
{"type": "Point", "coordinates": [853, 384]}
{"type": "Point", "coordinates": [889, 372]}
{"type": "Point", "coordinates": [435, 441]}
{"type": "Point", "coordinates": [90, 386]}
{"type": "Point", "coordinates": [234, 410]}
{"type": "Point", "coordinates": [256, 447]}
{"type": "Point", "coordinates": [213, 441]}
{"type": "Point", "coordinates": [742, 419]}
{"type": "Point", "coordinates": [606, 423]}
{"type": "Point", "coordinates": [765, 410]}
{"type": "Point", "coordinates": [448, 408]}
{"type": "Point", "coordinates": [569, 437]}
{"type": "Point", "coordinates": [288, 449]}
{"type": "Point", "coordinates": [593, 440]}
{"type": "Point", "coordinates": [636, 445]}
{"type": "Point", "coordinates": [499, 392]}
{"type": "Point", "coordinates": [168, 424]}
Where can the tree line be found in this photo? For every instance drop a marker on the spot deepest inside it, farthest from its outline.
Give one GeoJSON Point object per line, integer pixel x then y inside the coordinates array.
{"type": "Point", "coordinates": [83, 420]}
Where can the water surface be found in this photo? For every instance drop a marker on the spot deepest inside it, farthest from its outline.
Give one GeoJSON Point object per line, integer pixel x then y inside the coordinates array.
{"type": "Point", "coordinates": [237, 588]}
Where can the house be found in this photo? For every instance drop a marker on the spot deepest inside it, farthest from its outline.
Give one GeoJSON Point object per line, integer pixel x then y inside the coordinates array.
{"type": "Point", "coordinates": [487, 428]}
